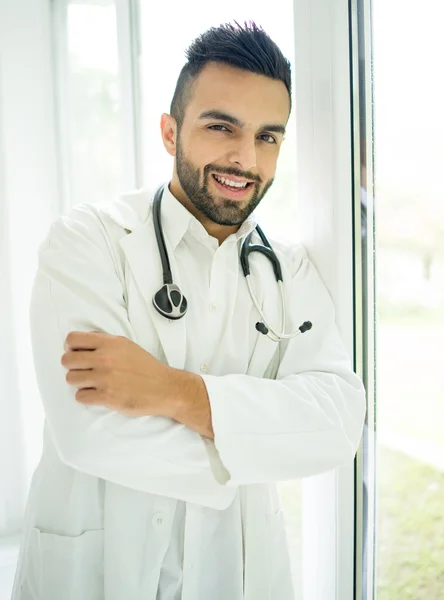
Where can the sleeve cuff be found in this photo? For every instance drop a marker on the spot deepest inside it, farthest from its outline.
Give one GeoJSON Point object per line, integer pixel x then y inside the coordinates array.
{"type": "Point", "coordinates": [218, 469]}
{"type": "Point", "coordinates": [218, 451]}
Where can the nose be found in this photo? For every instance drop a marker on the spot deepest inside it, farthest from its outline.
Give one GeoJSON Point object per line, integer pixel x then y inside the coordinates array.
{"type": "Point", "coordinates": [244, 155]}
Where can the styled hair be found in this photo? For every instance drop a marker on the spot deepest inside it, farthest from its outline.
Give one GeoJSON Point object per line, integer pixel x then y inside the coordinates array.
{"type": "Point", "coordinates": [249, 48]}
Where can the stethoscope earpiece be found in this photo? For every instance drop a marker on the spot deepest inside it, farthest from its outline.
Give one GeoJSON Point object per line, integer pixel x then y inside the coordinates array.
{"type": "Point", "coordinates": [262, 328]}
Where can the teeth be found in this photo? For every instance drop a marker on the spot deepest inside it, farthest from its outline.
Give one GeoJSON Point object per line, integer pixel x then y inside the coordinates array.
{"type": "Point", "coordinates": [230, 183]}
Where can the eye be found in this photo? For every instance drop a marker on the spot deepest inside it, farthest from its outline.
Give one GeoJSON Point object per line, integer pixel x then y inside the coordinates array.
{"type": "Point", "coordinates": [263, 135]}
{"type": "Point", "coordinates": [211, 126]}
{"type": "Point", "coordinates": [270, 136]}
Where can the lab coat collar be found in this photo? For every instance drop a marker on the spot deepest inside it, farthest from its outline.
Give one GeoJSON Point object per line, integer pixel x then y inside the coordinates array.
{"type": "Point", "coordinates": [133, 209]}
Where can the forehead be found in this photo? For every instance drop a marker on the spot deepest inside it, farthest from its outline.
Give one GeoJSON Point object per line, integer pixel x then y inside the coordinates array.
{"type": "Point", "coordinates": [238, 91]}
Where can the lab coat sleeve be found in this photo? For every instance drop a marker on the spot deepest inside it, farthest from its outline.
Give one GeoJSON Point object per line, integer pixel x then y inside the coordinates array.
{"type": "Point", "coordinates": [308, 420]}
{"type": "Point", "coordinates": [77, 288]}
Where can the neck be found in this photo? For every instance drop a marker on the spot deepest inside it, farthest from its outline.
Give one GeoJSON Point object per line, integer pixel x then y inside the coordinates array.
{"type": "Point", "coordinates": [220, 232]}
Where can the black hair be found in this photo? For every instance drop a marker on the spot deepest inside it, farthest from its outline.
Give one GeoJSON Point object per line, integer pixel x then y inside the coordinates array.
{"type": "Point", "coordinates": [249, 48]}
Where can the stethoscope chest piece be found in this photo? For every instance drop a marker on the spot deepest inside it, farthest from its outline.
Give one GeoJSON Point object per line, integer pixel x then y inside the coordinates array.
{"type": "Point", "coordinates": [170, 301]}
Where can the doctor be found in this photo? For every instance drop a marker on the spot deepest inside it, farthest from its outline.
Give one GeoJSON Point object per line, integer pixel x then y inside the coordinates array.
{"type": "Point", "coordinates": [164, 435]}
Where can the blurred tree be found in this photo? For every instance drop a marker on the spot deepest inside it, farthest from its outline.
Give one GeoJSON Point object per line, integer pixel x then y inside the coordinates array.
{"type": "Point", "coordinates": [412, 220]}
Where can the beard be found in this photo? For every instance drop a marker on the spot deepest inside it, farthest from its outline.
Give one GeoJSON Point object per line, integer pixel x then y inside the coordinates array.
{"type": "Point", "coordinates": [222, 211]}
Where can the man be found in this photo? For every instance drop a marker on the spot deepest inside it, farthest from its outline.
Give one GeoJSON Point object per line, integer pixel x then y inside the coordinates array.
{"type": "Point", "coordinates": [164, 438]}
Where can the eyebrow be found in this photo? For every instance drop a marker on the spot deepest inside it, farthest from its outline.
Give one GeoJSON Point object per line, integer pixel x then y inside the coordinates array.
{"type": "Point", "coordinates": [221, 116]}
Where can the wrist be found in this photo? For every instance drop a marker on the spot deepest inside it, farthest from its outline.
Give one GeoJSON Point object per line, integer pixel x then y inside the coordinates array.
{"type": "Point", "coordinates": [181, 384]}
{"type": "Point", "coordinates": [191, 405]}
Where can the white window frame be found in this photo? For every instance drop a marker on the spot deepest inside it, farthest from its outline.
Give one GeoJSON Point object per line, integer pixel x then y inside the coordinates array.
{"type": "Point", "coordinates": [329, 225]}
{"type": "Point", "coordinates": [361, 29]}
{"type": "Point", "coordinates": [130, 48]}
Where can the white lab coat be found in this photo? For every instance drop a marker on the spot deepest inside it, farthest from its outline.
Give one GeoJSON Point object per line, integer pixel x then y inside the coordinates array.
{"type": "Point", "coordinates": [104, 478]}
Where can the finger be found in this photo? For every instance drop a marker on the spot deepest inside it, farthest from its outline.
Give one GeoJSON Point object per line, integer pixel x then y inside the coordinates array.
{"type": "Point", "coordinates": [82, 379]}
{"type": "Point", "coordinates": [89, 396]}
{"type": "Point", "coordinates": [79, 359]}
{"type": "Point", "coordinates": [85, 340]}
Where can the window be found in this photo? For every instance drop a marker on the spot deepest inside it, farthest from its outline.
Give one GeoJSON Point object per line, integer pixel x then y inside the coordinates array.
{"type": "Point", "coordinates": [403, 447]}
{"type": "Point", "coordinates": [409, 154]}
{"type": "Point", "coordinates": [98, 98]}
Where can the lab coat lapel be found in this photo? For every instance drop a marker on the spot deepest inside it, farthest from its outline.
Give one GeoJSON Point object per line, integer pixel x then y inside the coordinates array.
{"type": "Point", "coordinates": [141, 251]}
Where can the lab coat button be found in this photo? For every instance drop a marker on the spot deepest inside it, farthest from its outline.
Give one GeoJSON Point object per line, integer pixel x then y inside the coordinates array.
{"type": "Point", "coordinates": [158, 520]}
{"type": "Point", "coordinates": [213, 307]}
{"type": "Point", "coordinates": [204, 368]}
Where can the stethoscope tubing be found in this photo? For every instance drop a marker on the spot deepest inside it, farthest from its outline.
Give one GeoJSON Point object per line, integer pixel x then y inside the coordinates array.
{"type": "Point", "coordinates": [172, 304]}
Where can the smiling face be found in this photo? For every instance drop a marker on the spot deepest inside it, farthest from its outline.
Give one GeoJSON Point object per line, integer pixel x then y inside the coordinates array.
{"type": "Point", "coordinates": [246, 149]}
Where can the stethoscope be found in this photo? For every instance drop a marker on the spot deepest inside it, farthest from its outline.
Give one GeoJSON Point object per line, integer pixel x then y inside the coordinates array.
{"type": "Point", "coordinates": [172, 304]}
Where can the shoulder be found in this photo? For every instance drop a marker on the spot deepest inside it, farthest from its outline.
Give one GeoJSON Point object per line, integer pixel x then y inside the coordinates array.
{"type": "Point", "coordinates": [101, 221]}
{"type": "Point", "coordinates": [291, 255]}
{"type": "Point", "coordinates": [83, 222]}
{"type": "Point", "coordinates": [84, 240]}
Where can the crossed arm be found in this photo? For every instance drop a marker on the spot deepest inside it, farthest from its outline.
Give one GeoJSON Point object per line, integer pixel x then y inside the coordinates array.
{"type": "Point", "coordinates": [115, 372]}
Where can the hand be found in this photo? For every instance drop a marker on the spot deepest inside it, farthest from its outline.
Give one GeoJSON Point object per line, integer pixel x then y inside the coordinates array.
{"type": "Point", "coordinates": [115, 372]}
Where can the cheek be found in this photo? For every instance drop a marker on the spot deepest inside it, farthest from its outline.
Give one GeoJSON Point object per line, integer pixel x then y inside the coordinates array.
{"type": "Point", "coordinates": [208, 153]}
{"type": "Point", "coordinates": [200, 154]}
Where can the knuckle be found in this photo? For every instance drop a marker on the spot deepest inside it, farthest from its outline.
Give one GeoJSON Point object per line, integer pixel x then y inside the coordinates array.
{"type": "Point", "coordinates": [105, 380]}
{"type": "Point", "coordinates": [105, 361]}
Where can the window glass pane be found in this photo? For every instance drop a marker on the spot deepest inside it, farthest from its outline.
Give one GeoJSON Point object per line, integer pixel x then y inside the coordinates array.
{"type": "Point", "coordinates": [93, 103]}
{"type": "Point", "coordinates": [409, 155]}
{"type": "Point", "coordinates": [277, 212]}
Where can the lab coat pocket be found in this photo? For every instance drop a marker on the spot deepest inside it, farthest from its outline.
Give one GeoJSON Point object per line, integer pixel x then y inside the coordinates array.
{"type": "Point", "coordinates": [64, 567]}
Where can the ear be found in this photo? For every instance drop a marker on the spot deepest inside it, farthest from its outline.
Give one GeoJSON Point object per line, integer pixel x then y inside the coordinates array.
{"type": "Point", "coordinates": [168, 128]}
